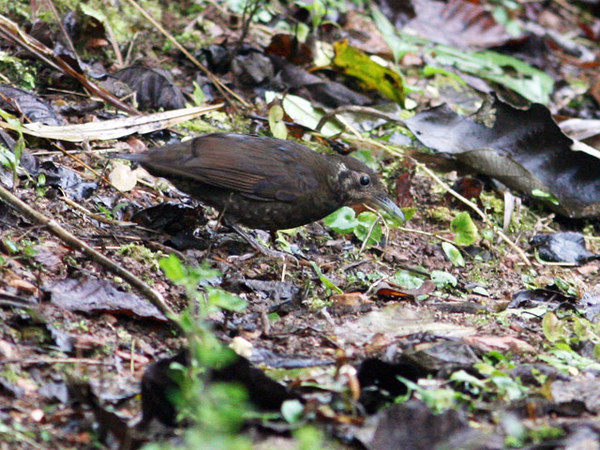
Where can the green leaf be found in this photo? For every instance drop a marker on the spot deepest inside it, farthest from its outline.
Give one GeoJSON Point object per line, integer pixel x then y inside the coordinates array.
{"type": "Point", "coordinates": [408, 280]}
{"type": "Point", "coordinates": [564, 286]}
{"type": "Point", "coordinates": [10, 245]}
{"type": "Point", "coordinates": [597, 351]}
{"type": "Point", "coordinates": [226, 300]}
{"type": "Point", "coordinates": [464, 229]}
{"type": "Point", "coordinates": [487, 234]}
{"type": "Point", "coordinates": [545, 196]}
{"type": "Point", "coordinates": [173, 268]}
{"type": "Point", "coordinates": [342, 221]}
{"type": "Point", "coordinates": [303, 112]}
{"type": "Point", "coordinates": [368, 228]}
{"type": "Point", "coordinates": [198, 95]}
{"type": "Point", "coordinates": [470, 382]}
{"type": "Point", "coordinates": [552, 327]}
{"type": "Point", "coordinates": [326, 281]}
{"type": "Point", "coordinates": [443, 279]}
{"type": "Point", "coordinates": [7, 158]}
{"type": "Point", "coordinates": [398, 44]}
{"type": "Point", "coordinates": [531, 83]}
{"type": "Point", "coordinates": [92, 12]}
{"type": "Point", "coordinates": [409, 213]}
{"type": "Point", "coordinates": [276, 123]}
{"type": "Point", "coordinates": [480, 290]}
{"type": "Point", "coordinates": [453, 254]}
{"type": "Point", "coordinates": [292, 410]}
{"type": "Point", "coordinates": [367, 157]}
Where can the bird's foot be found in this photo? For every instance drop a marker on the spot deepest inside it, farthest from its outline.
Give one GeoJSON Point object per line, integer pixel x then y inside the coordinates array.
{"type": "Point", "coordinates": [260, 247]}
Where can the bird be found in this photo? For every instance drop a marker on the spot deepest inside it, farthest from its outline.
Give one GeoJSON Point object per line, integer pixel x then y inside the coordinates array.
{"type": "Point", "coordinates": [265, 183]}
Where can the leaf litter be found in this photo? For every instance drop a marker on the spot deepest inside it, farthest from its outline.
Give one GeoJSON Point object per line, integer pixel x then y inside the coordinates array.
{"type": "Point", "coordinates": [449, 345]}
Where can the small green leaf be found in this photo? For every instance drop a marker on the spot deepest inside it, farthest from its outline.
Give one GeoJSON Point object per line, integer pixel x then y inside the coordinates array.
{"type": "Point", "coordinates": [408, 280]}
{"type": "Point", "coordinates": [368, 228]}
{"type": "Point", "coordinates": [10, 245]}
{"type": "Point", "coordinates": [292, 410]}
{"type": "Point", "coordinates": [564, 286]}
{"type": "Point", "coordinates": [597, 351]}
{"type": "Point", "coordinates": [276, 123]}
{"type": "Point", "coordinates": [198, 95]}
{"type": "Point", "coordinates": [470, 382]}
{"type": "Point", "coordinates": [464, 229]}
{"type": "Point", "coordinates": [443, 279]}
{"type": "Point", "coordinates": [552, 327]}
{"type": "Point", "coordinates": [7, 158]}
{"type": "Point", "coordinates": [173, 268]}
{"type": "Point", "coordinates": [226, 300]}
{"type": "Point", "coordinates": [453, 254]}
{"type": "Point", "coordinates": [283, 243]}
{"type": "Point", "coordinates": [367, 157]}
{"type": "Point", "coordinates": [545, 196]}
{"type": "Point", "coordinates": [480, 290]}
{"type": "Point", "coordinates": [326, 281]}
{"type": "Point", "coordinates": [303, 112]}
{"type": "Point", "coordinates": [342, 221]}
{"type": "Point", "coordinates": [487, 234]}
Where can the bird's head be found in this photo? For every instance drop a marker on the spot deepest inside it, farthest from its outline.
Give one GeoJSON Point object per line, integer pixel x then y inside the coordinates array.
{"type": "Point", "coordinates": [357, 183]}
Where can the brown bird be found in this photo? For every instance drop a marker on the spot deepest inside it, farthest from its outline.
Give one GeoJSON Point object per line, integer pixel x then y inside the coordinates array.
{"type": "Point", "coordinates": [263, 182]}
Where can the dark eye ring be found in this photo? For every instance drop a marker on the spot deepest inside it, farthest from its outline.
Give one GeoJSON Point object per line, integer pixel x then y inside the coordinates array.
{"type": "Point", "coordinates": [365, 180]}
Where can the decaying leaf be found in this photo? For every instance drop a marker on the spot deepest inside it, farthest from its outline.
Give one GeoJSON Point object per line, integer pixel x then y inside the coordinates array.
{"type": "Point", "coordinates": [524, 149]}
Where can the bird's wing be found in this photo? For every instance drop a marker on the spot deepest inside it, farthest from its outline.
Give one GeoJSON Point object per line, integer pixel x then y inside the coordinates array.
{"type": "Point", "coordinates": [240, 163]}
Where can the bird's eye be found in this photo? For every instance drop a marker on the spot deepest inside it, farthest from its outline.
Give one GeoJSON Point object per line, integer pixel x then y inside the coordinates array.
{"type": "Point", "coordinates": [365, 180]}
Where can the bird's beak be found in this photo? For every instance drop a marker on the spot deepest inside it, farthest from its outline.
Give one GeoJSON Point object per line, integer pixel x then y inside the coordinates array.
{"type": "Point", "coordinates": [385, 203]}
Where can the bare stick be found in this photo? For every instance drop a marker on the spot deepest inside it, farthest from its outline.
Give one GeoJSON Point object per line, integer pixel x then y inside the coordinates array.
{"type": "Point", "coordinates": [224, 90]}
{"type": "Point", "coordinates": [357, 110]}
{"type": "Point", "coordinates": [475, 208]}
{"type": "Point", "coordinates": [153, 296]}
{"type": "Point", "coordinates": [466, 201]}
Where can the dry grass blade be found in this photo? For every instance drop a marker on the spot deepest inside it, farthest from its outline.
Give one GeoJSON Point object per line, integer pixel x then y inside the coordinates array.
{"type": "Point", "coordinates": [114, 128]}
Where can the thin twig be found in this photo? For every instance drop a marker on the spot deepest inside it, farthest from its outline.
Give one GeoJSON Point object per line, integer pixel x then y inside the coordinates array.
{"type": "Point", "coordinates": [250, 8]}
{"type": "Point", "coordinates": [98, 217]}
{"type": "Point", "coordinates": [114, 44]}
{"type": "Point", "coordinates": [224, 90]}
{"type": "Point", "coordinates": [357, 110]}
{"type": "Point", "coordinates": [87, 361]}
{"type": "Point", "coordinates": [153, 296]}
{"type": "Point", "coordinates": [63, 31]}
{"type": "Point", "coordinates": [475, 208]}
{"type": "Point", "coordinates": [466, 201]}
{"type": "Point", "coordinates": [426, 233]}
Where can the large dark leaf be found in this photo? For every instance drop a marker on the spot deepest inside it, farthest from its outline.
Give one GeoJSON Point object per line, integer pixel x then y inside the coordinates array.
{"type": "Point", "coordinates": [319, 90]}
{"type": "Point", "coordinates": [94, 295]}
{"type": "Point", "coordinates": [154, 87]}
{"type": "Point", "coordinates": [524, 149]}
{"type": "Point", "coordinates": [563, 247]}
{"type": "Point", "coordinates": [35, 109]}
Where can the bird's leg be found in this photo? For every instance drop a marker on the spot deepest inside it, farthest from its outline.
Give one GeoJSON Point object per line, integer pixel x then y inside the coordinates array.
{"type": "Point", "coordinates": [248, 238]}
{"type": "Point", "coordinates": [257, 245]}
